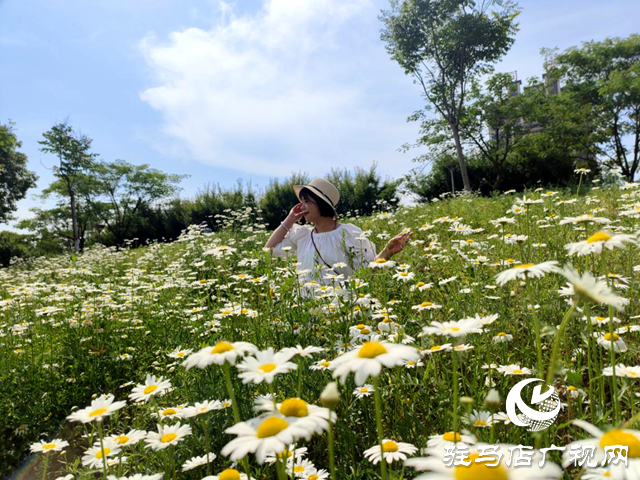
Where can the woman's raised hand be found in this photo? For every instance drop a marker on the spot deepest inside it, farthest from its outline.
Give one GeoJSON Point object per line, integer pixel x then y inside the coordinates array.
{"type": "Point", "coordinates": [295, 213]}
{"type": "Point", "coordinates": [397, 243]}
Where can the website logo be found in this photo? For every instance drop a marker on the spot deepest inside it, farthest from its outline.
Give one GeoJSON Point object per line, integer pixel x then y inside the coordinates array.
{"type": "Point", "coordinates": [548, 403]}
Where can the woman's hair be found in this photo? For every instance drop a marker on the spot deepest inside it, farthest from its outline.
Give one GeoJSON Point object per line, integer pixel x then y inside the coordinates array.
{"type": "Point", "coordinates": [323, 206]}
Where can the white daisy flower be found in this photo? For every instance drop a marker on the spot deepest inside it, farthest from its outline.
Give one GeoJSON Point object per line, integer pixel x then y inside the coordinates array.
{"type": "Point", "coordinates": [94, 456]}
{"type": "Point", "coordinates": [526, 270]}
{"type": "Point", "coordinates": [311, 417]}
{"type": "Point", "coordinates": [587, 217]}
{"type": "Point", "coordinates": [152, 386]}
{"type": "Point", "coordinates": [607, 341]}
{"type": "Point", "coordinates": [137, 476]}
{"type": "Point", "coordinates": [55, 445]}
{"type": "Point", "coordinates": [265, 366]}
{"type": "Point", "coordinates": [200, 408]}
{"type": "Point", "coordinates": [263, 435]}
{"type": "Point", "coordinates": [457, 328]}
{"type": "Point", "coordinates": [514, 369]}
{"type": "Point", "coordinates": [438, 348]}
{"type": "Point", "coordinates": [220, 353]}
{"type": "Point", "coordinates": [391, 451]}
{"type": "Point", "coordinates": [595, 243]}
{"type": "Point", "coordinates": [364, 391]}
{"type": "Point", "coordinates": [167, 435]}
{"type": "Point", "coordinates": [100, 408]}
{"type": "Point", "coordinates": [369, 359]}
{"type": "Point", "coordinates": [229, 473]}
{"type": "Point", "coordinates": [591, 289]}
{"type": "Point", "coordinates": [198, 461]}
{"type": "Point", "coordinates": [305, 352]}
{"type": "Point", "coordinates": [130, 438]}
{"type": "Point", "coordinates": [630, 438]}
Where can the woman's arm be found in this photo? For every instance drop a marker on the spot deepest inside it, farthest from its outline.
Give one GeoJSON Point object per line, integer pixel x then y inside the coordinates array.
{"type": "Point", "coordinates": [393, 246]}
{"type": "Point", "coordinates": [281, 232]}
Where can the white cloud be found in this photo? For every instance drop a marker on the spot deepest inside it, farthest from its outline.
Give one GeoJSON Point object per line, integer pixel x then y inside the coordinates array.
{"type": "Point", "coordinates": [297, 85]}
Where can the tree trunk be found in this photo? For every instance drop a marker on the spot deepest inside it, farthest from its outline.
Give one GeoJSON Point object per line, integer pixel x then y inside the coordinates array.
{"type": "Point", "coordinates": [463, 165]}
{"type": "Point", "coordinates": [74, 222]}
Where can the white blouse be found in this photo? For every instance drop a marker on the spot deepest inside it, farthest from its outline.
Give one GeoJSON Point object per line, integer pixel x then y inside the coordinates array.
{"type": "Point", "coordinates": [333, 247]}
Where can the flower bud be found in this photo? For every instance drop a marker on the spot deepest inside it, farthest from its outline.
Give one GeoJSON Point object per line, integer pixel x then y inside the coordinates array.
{"type": "Point", "coordinates": [492, 399]}
{"type": "Point", "coordinates": [330, 396]}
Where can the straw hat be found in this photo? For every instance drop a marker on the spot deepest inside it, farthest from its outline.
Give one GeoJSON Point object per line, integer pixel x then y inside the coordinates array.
{"type": "Point", "coordinates": [324, 189]}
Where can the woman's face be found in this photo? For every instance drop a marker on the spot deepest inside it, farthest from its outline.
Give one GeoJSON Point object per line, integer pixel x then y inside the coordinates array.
{"type": "Point", "coordinates": [312, 212]}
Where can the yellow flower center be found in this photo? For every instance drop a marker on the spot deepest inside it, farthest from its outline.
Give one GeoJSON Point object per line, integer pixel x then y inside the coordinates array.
{"type": "Point", "coordinates": [517, 370]}
{"type": "Point", "coordinates": [452, 437]}
{"type": "Point", "coordinates": [98, 412]}
{"type": "Point", "coordinates": [294, 407]}
{"type": "Point", "coordinates": [371, 350]}
{"type": "Point", "coordinates": [360, 326]}
{"type": "Point", "coordinates": [526, 265]}
{"type": "Point", "coordinates": [599, 237]}
{"type": "Point", "coordinates": [435, 348]}
{"type": "Point", "coordinates": [480, 423]}
{"type": "Point", "coordinates": [455, 329]}
{"type": "Point", "coordinates": [168, 437]}
{"type": "Point", "coordinates": [298, 469]}
{"type": "Point", "coordinates": [271, 426]}
{"type": "Point", "coordinates": [364, 390]}
{"type": "Point", "coordinates": [229, 474]}
{"type": "Point", "coordinates": [404, 274]}
{"type": "Point", "coordinates": [103, 453]}
{"type": "Point", "coordinates": [169, 411]}
{"type": "Point", "coordinates": [222, 347]}
{"type": "Point", "coordinates": [325, 364]}
{"type": "Point", "coordinates": [48, 446]}
{"type": "Point", "coordinates": [390, 446]}
{"type": "Point", "coordinates": [420, 284]}
{"type": "Point", "coordinates": [620, 437]}
{"type": "Point", "coordinates": [381, 260]}
{"type": "Point", "coordinates": [502, 334]}
{"type": "Point", "coordinates": [122, 439]}
{"type": "Point", "coordinates": [267, 367]}
{"type": "Point", "coordinates": [226, 404]}
{"type": "Point", "coordinates": [313, 477]}
{"type": "Point", "coordinates": [365, 331]}
{"type": "Point", "coordinates": [601, 319]}
{"type": "Point", "coordinates": [480, 471]}
{"type": "Point", "coordinates": [180, 354]}
{"type": "Point", "coordinates": [607, 337]}
{"type": "Point", "coordinates": [426, 304]}
{"type": "Point", "coordinates": [411, 363]}
{"type": "Point", "coordinates": [150, 389]}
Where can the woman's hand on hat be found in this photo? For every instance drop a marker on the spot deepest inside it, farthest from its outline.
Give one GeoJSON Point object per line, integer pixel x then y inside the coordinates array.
{"type": "Point", "coordinates": [397, 243]}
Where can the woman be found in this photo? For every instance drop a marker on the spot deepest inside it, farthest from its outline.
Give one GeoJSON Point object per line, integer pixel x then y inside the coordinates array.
{"type": "Point", "coordinates": [340, 248]}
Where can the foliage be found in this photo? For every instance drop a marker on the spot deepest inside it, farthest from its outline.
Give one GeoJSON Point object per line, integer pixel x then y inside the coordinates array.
{"type": "Point", "coordinates": [15, 178]}
{"type": "Point", "coordinates": [604, 78]}
{"type": "Point", "coordinates": [445, 45]}
{"type": "Point", "coordinates": [279, 197]}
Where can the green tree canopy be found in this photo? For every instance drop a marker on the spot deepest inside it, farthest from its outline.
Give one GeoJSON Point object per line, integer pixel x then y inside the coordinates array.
{"type": "Point", "coordinates": [15, 178]}
{"type": "Point", "coordinates": [445, 45]}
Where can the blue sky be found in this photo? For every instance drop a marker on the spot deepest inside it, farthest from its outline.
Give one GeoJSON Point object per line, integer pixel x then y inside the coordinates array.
{"type": "Point", "coordinates": [251, 89]}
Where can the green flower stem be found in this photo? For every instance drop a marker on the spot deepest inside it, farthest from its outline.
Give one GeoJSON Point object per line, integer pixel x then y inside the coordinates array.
{"type": "Point", "coordinates": [234, 407]}
{"type": "Point", "coordinates": [376, 394]}
{"type": "Point", "coordinates": [207, 441]}
{"type": "Point", "coordinates": [46, 466]}
{"type": "Point", "coordinates": [558, 340]}
{"type": "Point", "coordinates": [536, 326]}
{"type": "Point", "coordinates": [104, 460]}
{"type": "Point", "coordinates": [455, 391]}
{"type": "Point", "coordinates": [614, 381]}
{"type": "Point", "coordinates": [332, 462]}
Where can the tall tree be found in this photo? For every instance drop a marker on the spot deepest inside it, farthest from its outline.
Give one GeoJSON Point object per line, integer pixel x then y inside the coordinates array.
{"type": "Point", "coordinates": [116, 191]}
{"type": "Point", "coordinates": [605, 77]}
{"type": "Point", "coordinates": [73, 152]}
{"type": "Point", "coordinates": [444, 45]}
{"type": "Point", "coordinates": [15, 178]}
